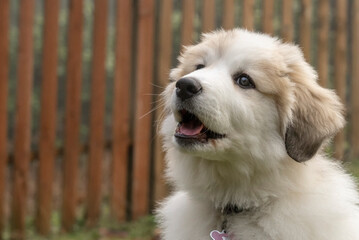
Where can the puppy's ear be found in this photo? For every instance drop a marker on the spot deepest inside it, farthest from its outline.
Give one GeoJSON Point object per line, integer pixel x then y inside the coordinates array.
{"type": "Point", "coordinates": [317, 113]}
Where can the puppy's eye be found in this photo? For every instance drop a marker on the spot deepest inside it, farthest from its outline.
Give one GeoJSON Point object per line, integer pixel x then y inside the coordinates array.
{"type": "Point", "coordinates": [244, 81]}
{"type": "Point", "coordinates": [199, 66]}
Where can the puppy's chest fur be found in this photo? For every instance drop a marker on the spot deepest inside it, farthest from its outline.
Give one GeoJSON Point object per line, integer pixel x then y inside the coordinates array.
{"type": "Point", "coordinates": [185, 217]}
{"type": "Point", "coordinates": [244, 225]}
{"type": "Point", "coordinates": [196, 219]}
{"type": "Point", "coordinates": [308, 210]}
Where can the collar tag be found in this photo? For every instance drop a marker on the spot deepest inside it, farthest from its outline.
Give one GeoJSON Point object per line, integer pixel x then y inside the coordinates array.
{"type": "Point", "coordinates": [217, 235]}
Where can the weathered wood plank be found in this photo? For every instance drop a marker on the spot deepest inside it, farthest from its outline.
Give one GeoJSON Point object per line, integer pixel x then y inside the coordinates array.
{"type": "Point", "coordinates": [121, 109]}
{"type": "Point", "coordinates": [340, 67]}
{"type": "Point", "coordinates": [248, 13]}
{"type": "Point", "coordinates": [305, 27]}
{"type": "Point", "coordinates": [47, 148]}
{"type": "Point", "coordinates": [97, 118]}
{"type": "Point", "coordinates": [208, 16]}
{"type": "Point", "coordinates": [268, 8]}
{"type": "Point", "coordinates": [228, 14]}
{"type": "Point", "coordinates": [23, 118]}
{"type": "Point", "coordinates": [188, 10]}
{"type": "Point", "coordinates": [287, 20]}
{"type": "Point", "coordinates": [355, 81]}
{"type": "Point", "coordinates": [4, 75]}
{"type": "Point", "coordinates": [323, 41]}
{"type": "Point", "coordinates": [142, 122]}
{"type": "Point", "coordinates": [164, 65]}
{"type": "Point", "coordinates": [72, 113]}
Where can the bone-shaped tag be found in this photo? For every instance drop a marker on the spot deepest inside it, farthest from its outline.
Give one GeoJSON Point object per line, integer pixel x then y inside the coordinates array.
{"type": "Point", "coordinates": [217, 235]}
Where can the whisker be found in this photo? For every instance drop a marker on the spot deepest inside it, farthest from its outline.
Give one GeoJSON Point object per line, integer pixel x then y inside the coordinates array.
{"type": "Point", "coordinates": [158, 122]}
{"type": "Point", "coordinates": [152, 110]}
{"type": "Point", "coordinates": [158, 86]}
{"type": "Point", "coordinates": [152, 94]}
{"type": "Point", "coordinates": [159, 100]}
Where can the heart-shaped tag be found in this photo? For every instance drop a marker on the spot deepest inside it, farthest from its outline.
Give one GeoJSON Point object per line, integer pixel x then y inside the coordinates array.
{"type": "Point", "coordinates": [217, 235]}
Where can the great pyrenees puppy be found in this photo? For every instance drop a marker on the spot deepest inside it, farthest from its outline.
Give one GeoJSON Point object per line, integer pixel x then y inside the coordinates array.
{"type": "Point", "coordinates": [245, 125]}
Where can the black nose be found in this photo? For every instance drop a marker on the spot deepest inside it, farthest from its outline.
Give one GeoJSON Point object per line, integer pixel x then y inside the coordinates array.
{"type": "Point", "coordinates": [187, 88]}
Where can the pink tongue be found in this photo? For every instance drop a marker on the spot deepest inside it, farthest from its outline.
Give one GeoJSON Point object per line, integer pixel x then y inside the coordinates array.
{"type": "Point", "coordinates": [191, 128]}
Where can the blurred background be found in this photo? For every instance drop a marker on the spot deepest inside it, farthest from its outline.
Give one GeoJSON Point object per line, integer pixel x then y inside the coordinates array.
{"type": "Point", "coordinates": [80, 157]}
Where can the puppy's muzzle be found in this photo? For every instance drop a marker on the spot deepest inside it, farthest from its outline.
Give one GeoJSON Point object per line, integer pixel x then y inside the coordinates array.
{"type": "Point", "coordinates": [187, 88]}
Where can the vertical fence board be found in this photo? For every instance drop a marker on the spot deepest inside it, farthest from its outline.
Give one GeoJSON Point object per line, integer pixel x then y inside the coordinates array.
{"type": "Point", "coordinates": [248, 14]}
{"type": "Point", "coordinates": [48, 117]}
{"type": "Point", "coordinates": [164, 65]}
{"type": "Point", "coordinates": [94, 180]}
{"type": "Point", "coordinates": [142, 127]}
{"type": "Point", "coordinates": [208, 15]}
{"type": "Point", "coordinates": [268, 8]}
{"type": "Point", "coordinates": [23, 118]}
{"type": "Point", "coordinates": [188, 10]}
{"type": "Point", "coordinates": [72, 113]}
{"type": "Point", "coordinates": [305, 27]}
{"type": "Point", "coordinates": [323, 39]}
{"type": "Point", "coordinates": [355, 81]}
{"type": "Point", "coordinates": [121, 107]}
{"type": "Point", "coordinates": [4, 65]}
{"type": "Point", "coordinates": [340, 67]}
{"type": "Point", "coordinates": [228, 14]}
{"type": "Point", "coordinates": [287, 20]}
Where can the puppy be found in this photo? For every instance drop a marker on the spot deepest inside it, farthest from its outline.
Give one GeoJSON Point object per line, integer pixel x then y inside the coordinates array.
{"type": "Point", "coordinates": [245, 125]}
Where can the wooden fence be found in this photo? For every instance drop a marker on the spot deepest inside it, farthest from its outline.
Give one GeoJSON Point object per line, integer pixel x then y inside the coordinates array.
{"type": "Point", "coordinates": [148, 34]}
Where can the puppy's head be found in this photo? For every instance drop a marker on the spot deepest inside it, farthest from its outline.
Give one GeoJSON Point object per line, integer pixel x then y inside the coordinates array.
{"type": "Point", "coordinates": [245, 94]}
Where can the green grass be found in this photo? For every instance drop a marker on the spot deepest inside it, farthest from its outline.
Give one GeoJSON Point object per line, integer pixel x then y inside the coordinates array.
{"type": "Point", "coordinates": [107, 229]}
{"type": "Point", "coordinates": [353, 167]}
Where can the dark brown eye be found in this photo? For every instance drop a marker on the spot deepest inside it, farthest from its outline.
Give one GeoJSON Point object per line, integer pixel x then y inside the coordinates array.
{"type": "Point", "coordinates": [199, 66]}
{"type": "Point", "coordinates": [244, 81]}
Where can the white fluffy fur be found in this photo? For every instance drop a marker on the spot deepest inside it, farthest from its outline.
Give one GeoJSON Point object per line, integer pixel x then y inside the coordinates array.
{"type": "Point", "coordinates": [250, 167]}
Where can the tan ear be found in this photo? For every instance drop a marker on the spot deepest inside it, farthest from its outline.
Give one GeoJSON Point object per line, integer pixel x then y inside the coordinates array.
{"type": "Point", "coordinates": [317, 113]}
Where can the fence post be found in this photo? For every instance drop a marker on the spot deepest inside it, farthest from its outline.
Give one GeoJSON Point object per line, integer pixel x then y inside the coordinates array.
{"type": "Point", "coordinates": [287, 20]}
{"type": "Point", "coordinates": [121, 109]}
{"type": "Point", "coordinates": [208, 16]}
{"type": "Point", "coordinates": [323, 39]}
{"type": "Point", "coordinates": [188, 10]}
{"type": "Point", "coordinates": [142, 122]}
{"type": "Point", "coordinates": [4, 76]}
{"type": "Point", "coordinates": [228, 14]}
{"type": "Point", "coordinates": [248, 12]}
{"type": "Point", "coordinates": [164, 65]}
{"type": "Point", "coordinates": [23, 118]}
{"type": "Point", "coordinates": [47, 149]}
{"type": "Point", "coordinates": [340, 67]}
{"type": "Point", "coordinates": [355, 81]}
{"type": "Point", "coordinates": [305, 27]}
{"type": "Point", "coordinates": [268, 7]}
{"type": "Point", "coordinates": [72, 114]}
{"type": "Point", "coordinates": [94, 178]}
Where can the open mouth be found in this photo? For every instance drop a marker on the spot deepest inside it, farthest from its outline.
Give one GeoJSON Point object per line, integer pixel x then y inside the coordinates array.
{"type": "Point", "coordinates": [191, 129]}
